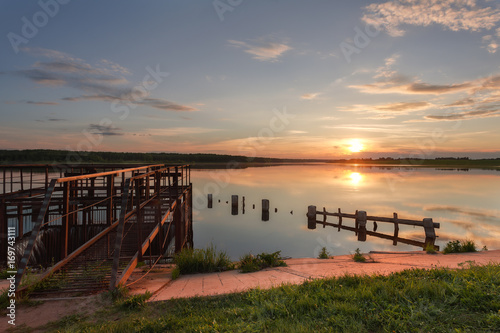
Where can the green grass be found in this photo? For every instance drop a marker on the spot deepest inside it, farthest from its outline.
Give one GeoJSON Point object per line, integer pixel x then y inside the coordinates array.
{"type": "Point", "coordinates": [207, 260]}
{"type": "Point", "coordinates": [436, 300]}
{"type": "Point", "coordinates": [250, 263]}
{"type": "Point", "coordinates": [458, 246]}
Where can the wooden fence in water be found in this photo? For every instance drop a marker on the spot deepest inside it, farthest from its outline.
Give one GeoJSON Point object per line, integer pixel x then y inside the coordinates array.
{"type": "Point", "coordinates": [361, 218]}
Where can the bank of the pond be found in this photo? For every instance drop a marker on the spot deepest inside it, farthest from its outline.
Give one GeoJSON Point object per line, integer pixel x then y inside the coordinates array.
{"type": "Point", "coordinates": [165, 291]}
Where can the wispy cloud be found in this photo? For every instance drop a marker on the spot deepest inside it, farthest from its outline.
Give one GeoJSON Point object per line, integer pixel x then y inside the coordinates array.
{"type": "Point", "coordinates": [106, 130]}
{"type": "Point", "coordinates": [179, 131]}
{"type": "Point", "coordinates": [41, 103]}
{"type": "Point", "coordinates": [263, 49]}
{"type": "Point", "coordinates": [105, 83]}
{"type": "Point", "coordinates": [455, 15]}
{"type": "Point", "coordinates": [390, 109]}
{"type": "Point", "coordinates": [399, 84]}
{"type": "Point", "coordinates": [309, 96]}
{"type": "Point", "coordinates": [466, 115]}
{"type": "Point", "coordinates": [53, 119]}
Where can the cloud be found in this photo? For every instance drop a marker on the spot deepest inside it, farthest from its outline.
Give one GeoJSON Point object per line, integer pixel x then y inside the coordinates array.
{"type": "Point", "coordinates": [157, 103]}
{"type": "Point", "coordinates": [51, 119]}
{"type": "Point", "coordinates": [466, 115]}
{"type": "Point", "coordinates": [389, 110]}
{"type": "Point", "coordinates": [309, 96]}
{"type": "Point", "coordinates": [263, 49]}
{"type": "Point", "coordinates": [106, 130]}
{"type": "Point", "coordinates": [399, 85]}
{"type": "Point", "coordinates": [482, 98]}
{"type": "Point", "coordinates": [492, 43]}
{"type": "Point", "coordinates": [105, 84]}
{"type": "Point", "coordinates": [41, 103]}
{"type": "Point", "coordinates": [455, 15]}
{"type": "Point", "coordinates": [178, 131]}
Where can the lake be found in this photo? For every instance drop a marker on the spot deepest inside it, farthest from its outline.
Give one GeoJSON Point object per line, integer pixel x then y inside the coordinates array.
{"type": "Point", "coordinates": [464, 201]}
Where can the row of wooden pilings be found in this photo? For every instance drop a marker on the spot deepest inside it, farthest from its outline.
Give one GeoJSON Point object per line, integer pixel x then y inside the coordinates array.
{"type": "Point", "coordinates": [360, 225]}
{"type": "Point", "coordinates": [235, 206]}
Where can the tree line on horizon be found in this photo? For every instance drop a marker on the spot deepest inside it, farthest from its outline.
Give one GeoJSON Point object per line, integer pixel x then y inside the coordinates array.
{"type": "Point", "coordinates": [71, 157]}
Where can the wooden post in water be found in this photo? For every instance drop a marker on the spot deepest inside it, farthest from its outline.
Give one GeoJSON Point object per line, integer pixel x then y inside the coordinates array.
{"type": "Point", "coordinates": [265, 210]}
{"type": "Point", "coordinates": [430, 234]}
{"type": "Point", "coordinates": [243, 205]}
{"type": "Point", "coordinates": [234, 205]}
{"type": "Point", "coordinates": [396, 230]}
{"type": "Point", "coordinates": [311, 217]}
{"type": "Point", "coordinates": [361, 225]}
{"type": "Point", "coordinates": [209, 198]}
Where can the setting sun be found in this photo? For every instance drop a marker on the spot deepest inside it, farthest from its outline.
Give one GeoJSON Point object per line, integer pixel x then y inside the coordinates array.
{"type": "Point", "coordinates": [356, 146]}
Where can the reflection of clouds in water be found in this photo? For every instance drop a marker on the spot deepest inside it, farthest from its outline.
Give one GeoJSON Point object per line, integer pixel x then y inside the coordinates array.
{"type": "Point", "coordinates": [490, 215]}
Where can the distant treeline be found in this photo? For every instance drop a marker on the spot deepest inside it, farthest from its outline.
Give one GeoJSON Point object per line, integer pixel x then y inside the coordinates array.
{"type": "Point", "coordinates": [44, 156]}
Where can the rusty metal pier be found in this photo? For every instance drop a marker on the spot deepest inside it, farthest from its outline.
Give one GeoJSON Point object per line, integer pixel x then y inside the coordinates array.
{"type": "Point", "coordinates": [90, 225]}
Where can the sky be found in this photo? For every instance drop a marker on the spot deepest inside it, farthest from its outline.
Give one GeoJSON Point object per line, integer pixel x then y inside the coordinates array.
{"type": "Point", "coordinates": [276, 78]}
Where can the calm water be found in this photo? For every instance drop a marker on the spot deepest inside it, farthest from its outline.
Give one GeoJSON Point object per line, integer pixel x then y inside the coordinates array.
{"type": "Point", "coordinates": [466, 203]}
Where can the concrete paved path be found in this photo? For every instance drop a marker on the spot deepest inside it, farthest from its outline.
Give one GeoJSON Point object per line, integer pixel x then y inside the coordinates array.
{"type": "Point", "coordinates": [300, 270]}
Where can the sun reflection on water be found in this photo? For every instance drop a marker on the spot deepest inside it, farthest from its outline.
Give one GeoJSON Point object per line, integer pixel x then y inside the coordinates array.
{"type": "Point", "coordinates": [356, 178]}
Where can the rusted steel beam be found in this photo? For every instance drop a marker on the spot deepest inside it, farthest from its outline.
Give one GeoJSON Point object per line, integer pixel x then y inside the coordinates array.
{"type": "Point", "coordinates": [102, 174]}
{"type": "Point", "coordinates": [135, 259]}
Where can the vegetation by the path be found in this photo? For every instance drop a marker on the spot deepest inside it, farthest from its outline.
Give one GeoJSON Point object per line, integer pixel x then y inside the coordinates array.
{"type": "Point", "coordinates": [324, 254]}
{"type": "Point", "coordinates": [206, 260]}
{"type": "Point", "coordinates": [358, 256]}
{"type": "Point", "coordinates": [458, 246]}
{"type": "Point", "coordinates": [437, 300]}
{"type": "Point", "coordinates": [250, 263]}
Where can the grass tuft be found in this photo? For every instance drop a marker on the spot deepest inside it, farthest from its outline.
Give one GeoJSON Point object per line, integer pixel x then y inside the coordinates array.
{"type": "Point", "coordinates": [324, 254]}
{"type": "Point", "coordinates": [207, 260]}
{"type": "Point", "coordinates": [358, 256]}
{"type": "Point", "coordinates": [250, 263]}
{"type": "Point", "coordinates": [458, 246]}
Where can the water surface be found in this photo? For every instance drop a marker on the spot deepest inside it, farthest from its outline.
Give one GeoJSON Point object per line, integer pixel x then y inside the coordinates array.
{"type": "Point", "coordinates": [465, 202]}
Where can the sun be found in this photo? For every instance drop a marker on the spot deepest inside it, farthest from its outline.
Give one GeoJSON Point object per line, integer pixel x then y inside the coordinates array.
{"type": "Point", "coordinates": [356, 146]}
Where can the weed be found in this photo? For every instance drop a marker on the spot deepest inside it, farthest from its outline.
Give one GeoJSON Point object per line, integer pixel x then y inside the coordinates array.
{"type": "Point", "coordinates": [324, 254]}
{"type": "Point", "coordinates": [4, 274]}
{"type": "Point", "coordinates": [250, 263]}
{"type": "Point", "coordinates": [458, 246]}
{"type": "Point", "coordinates": [358, 256]}
{"type": "Point", "coordinates": [176, 272]}
{"type": "Point", "coordinates": [117, 294]}
{"type": "Point", "coordinates": [202, 260]}
{"type": "Point", "coordinates": [136, 301]}
{"type": "Point", "coordinates": [430, 249]}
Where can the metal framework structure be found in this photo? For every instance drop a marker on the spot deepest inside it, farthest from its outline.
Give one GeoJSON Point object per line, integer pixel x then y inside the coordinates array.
{"type": "Point", "coordinates": [93, 224]}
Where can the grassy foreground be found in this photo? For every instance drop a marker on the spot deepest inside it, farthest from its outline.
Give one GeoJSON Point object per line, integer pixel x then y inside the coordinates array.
{"type": "Point", "coordinates": [437, 300]}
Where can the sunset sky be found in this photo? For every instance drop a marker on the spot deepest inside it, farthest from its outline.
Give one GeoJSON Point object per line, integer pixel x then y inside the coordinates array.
{"type": "Point", "coordinates": [305, 79]}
